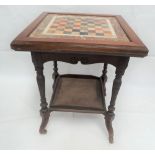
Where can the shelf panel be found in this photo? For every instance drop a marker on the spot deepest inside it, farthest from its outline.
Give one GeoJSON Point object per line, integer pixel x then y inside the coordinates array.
{"type": "Point", "coordinates": [79, 93]}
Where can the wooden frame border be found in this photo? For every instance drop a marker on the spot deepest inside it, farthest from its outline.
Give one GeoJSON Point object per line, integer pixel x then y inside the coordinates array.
{"type": "Point", "coordinates": [133, 48]}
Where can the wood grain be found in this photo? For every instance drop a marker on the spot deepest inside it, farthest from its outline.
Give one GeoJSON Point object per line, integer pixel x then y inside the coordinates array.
{"type": "Point", "coordinates": [134, 48]}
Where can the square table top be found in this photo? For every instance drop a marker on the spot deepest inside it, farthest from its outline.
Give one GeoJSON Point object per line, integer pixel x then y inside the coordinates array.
{"type": "Point", "coordinates": [84, 33]}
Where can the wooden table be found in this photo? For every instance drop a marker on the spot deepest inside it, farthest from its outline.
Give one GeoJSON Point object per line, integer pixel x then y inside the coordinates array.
{"type": "Point", "coordinates": [86, 38]}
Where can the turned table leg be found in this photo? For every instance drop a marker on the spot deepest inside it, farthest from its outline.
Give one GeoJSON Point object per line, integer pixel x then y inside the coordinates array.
{"type": "Point", "coordinates": [55, 72]}
{"type": "Point", "coordinates": [44, 109]}
{"type": "Point", "coordinates": [44, 112]}
{"type": "Point", "coordinates": [120, 69]}
{"type": "Point", "coordinates": [55, 69]}
{"type": "Point", "coordinates": [104, 77]}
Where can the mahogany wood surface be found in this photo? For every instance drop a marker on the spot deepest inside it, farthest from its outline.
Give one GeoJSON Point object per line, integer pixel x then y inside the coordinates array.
{"type": "Point", "coordinates": [134, 47]}
{"type": "Point", "coordinates": [80, 92]}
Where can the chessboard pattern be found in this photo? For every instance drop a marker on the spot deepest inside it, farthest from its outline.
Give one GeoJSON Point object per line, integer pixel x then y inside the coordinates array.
{"type": "Point", "coordinates": [84, 27]}
{"type": "Point", "coordinates": [80, 26]}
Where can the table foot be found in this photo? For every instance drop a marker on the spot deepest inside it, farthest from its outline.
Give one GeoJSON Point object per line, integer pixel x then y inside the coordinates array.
{"type": "Point", "coordinates": [45, 117]}
{"type": "Point", "coordinates": [42, 131]}
{"type": "Point", "coordinates": [109, 117]}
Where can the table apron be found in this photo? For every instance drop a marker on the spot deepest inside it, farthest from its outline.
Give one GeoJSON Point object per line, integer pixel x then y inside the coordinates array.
{"type": "Point", "coordinates": [42, 57]}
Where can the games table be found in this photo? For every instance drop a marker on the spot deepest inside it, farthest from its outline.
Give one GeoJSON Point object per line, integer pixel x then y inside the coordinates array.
{"type": "Point", "coordinates": [88, 38]}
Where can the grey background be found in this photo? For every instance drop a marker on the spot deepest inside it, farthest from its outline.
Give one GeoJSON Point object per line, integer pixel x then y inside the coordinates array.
{"type": "Point", "coordinates": [19, 106]}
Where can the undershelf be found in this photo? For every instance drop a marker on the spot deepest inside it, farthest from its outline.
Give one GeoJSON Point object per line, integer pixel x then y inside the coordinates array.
{"type": "Point", "coordinates": [78, 93]}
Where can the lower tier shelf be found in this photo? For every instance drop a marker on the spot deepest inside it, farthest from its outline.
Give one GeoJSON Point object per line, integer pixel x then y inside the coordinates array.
{"type": "Point", "coordinates": [78, 93]}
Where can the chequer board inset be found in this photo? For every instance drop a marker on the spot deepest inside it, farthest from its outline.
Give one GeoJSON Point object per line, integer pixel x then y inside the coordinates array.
{"type": "Point", "coordinates": [82, 27]}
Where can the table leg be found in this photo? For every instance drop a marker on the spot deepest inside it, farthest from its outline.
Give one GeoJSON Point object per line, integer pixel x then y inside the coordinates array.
{"type": "Point", "coordinates": [55, 73]}
{"type": "Point", "coordinates": [109, 117]}
{"type": "Point", "coordinates": [44, 109]}
{"type": "Point", "coordinates": [55, 69]}
{"type": "Point", "coordinates": [104, 77]}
